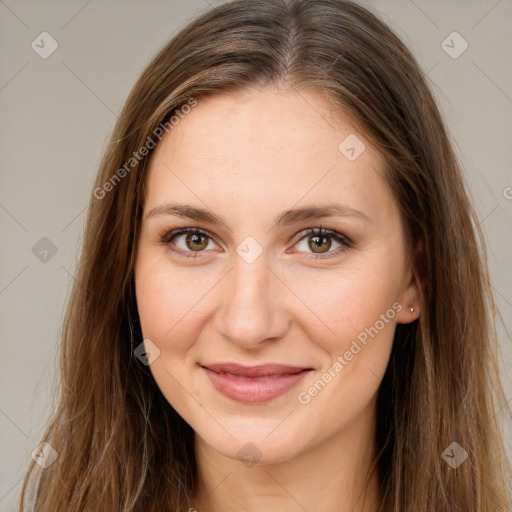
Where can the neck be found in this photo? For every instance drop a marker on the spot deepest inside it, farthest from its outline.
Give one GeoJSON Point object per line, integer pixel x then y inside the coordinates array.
{"type": "Point", "coordinates": [333, 476]}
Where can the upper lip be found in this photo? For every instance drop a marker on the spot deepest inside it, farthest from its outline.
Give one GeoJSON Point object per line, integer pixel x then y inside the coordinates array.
{"type": "Point", "coordinates": [255, 371]}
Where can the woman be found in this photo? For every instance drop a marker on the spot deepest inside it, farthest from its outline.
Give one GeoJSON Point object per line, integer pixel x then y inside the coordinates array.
{"type": "Point", "coordinates": [280, 303]}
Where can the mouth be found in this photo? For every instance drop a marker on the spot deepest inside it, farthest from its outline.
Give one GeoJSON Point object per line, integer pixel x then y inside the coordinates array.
{"type": "Point", "coordinates": [254, 384]}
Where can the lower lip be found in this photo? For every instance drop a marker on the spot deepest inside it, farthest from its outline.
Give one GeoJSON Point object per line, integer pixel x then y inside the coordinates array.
{"type": "Point", "coordinates": [253, 390]}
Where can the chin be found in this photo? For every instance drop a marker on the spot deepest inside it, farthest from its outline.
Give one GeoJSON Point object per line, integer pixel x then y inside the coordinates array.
{"type": "Point", "coordinates": [255, 441]}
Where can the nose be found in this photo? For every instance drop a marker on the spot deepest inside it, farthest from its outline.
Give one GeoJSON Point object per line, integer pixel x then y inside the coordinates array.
{"type": "Point", "coordinates": [253, 310]}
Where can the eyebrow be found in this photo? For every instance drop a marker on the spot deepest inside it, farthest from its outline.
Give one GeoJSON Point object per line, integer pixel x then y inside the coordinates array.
{"type": "Point", "coordinates": [286, 218]}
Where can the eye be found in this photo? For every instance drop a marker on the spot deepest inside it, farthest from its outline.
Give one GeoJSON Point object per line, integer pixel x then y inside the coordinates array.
{"type": "Point", "coordinates": [319, 241]}
{"type": "Point", "coordinates": [189, 241]}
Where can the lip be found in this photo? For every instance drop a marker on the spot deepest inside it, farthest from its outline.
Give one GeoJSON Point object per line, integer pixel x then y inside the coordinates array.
{"type": "Point", "coordinates": [254, 384]}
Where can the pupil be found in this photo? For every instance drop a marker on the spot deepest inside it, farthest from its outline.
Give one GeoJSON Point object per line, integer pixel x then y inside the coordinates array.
{"type": "Point", "coordinates": [318, 242]}
{"type": "Point", "coordinates": [196, 241]}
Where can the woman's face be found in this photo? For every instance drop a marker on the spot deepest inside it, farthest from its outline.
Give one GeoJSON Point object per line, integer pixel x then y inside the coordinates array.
{"type": "Point", "coordinates": [252, 174]}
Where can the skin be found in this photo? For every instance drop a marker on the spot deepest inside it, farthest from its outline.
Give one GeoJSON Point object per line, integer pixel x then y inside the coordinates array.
{"type": "Point", "coordinates": [247, 157]}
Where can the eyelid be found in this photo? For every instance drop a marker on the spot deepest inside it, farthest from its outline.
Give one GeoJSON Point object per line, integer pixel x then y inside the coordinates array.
{"type": "Point", "coordinates": [173, 232]}
{"type": "Point", "coordinates": [318, 231]}
{"type": "Point", "coordinates": [346, 242]}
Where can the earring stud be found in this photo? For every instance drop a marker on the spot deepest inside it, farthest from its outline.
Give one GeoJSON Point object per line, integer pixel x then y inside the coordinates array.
{"type": "Point", "coordinates": [412, 309]}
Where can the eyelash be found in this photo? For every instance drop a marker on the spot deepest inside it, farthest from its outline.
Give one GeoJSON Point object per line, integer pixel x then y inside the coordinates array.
{"type": "Point", "coordinates": [342, 239]}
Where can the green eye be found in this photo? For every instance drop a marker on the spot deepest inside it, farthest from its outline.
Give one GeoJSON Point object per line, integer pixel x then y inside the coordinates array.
{"type": "Point", "coordinates": [190, 242]}
{"type": "Point", "coordinates": [320, 240]}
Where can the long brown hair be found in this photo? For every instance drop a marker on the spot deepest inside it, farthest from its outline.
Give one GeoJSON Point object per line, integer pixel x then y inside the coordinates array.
{"type": "Point", "coordinates": [121, 446]}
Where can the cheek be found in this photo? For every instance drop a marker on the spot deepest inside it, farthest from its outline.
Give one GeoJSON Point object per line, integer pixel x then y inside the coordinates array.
{"type": "Point", "coordinates": [168, 304]}
{"type": "Point", "coordinates": [164, 299]}
{"type": "Point", "coordinates": [353, 326]}
{"type": "Point", "coordinates": [172, 302]}
{"type": "Point", "coordinates": [344, 302]}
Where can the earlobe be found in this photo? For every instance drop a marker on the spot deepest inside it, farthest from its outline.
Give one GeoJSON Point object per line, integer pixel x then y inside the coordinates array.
{"type": "Point", "coordinates": [408, 314]}
{"type": "Point", "coordinates": [411, 295]}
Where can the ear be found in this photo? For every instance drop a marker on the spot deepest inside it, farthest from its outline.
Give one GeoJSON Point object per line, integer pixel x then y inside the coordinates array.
{"type": "Point", "coordinates": [410, 294]}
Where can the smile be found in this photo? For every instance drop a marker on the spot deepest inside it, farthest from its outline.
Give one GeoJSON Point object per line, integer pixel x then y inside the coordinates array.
{"type": "Point", "coordinates": [254, 384]}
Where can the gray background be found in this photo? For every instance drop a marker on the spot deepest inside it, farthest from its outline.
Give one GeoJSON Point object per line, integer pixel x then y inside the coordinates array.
{"type": "Point", "coordinates": [56, 115]}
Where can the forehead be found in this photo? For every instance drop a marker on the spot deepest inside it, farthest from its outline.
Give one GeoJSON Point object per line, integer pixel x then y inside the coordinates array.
{"type": "Point", "coordinates": [267, 147]}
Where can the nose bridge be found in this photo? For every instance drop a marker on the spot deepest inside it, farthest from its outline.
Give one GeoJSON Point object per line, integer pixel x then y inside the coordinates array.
{"type": "Point", "coordinates": [252, 312]}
